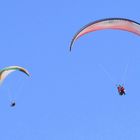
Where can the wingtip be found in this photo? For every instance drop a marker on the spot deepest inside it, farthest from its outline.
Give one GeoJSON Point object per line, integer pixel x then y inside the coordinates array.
{"type": "Point", "coordinates": [70, 49]}
{"type": "Point", "coordinates": [71, 45]}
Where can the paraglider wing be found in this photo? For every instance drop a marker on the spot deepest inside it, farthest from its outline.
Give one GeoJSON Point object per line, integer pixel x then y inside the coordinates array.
{"type": "Point", "coordinates": [109, 23]}
{"type": "Point", "coordinates": [8, 70]}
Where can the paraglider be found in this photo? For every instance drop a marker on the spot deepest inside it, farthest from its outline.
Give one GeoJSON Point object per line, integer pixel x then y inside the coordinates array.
{"type": "Point", "coordinates": [121, 90]}
{"type": "Point", "coordinates": [8, 70]}
{"type": "Point", "coordinates": [108, 23]}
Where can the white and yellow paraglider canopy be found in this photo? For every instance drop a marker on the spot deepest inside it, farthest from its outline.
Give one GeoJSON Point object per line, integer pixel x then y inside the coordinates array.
{"type": "Point", "coordinates": [8, 70]}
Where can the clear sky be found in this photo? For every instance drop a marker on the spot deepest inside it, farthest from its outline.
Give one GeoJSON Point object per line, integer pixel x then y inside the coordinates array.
{"type": "Point", "coordinates": [69, 96]}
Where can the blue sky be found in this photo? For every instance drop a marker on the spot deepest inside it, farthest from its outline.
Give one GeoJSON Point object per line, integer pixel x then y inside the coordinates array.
{"type": "Point", "coordinates": [69, 96]}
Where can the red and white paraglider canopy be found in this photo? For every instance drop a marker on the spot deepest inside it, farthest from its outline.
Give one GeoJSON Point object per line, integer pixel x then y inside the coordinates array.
{"type": "Point", "coordinates": [108, 23]}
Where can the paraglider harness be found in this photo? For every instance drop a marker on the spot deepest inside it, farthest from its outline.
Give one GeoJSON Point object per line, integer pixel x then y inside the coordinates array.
{"type": "Point", "coordinates": [121, 90]}
{"type": "Point", "coordinates": [13, 104]}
